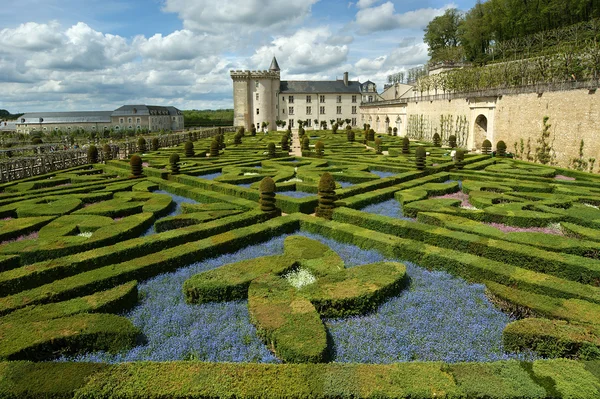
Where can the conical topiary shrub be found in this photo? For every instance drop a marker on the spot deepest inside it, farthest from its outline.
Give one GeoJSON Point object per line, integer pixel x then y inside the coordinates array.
{"type": "Point", "coordinates": [501, 149]}
{"type": "Point", "coordinates": [486, 147]}
{"type": "Point", "coordinates": [174, 163]}
{"type": "Point", "coordinates": [107, 152]}
{"type": "Point", "coordinates": [92, 154]}
{"type": "Point", "coordinates": [319, 148]}
{"type": "Point", "coordinates": [459, 158]}
{"type": "Point", "coordinates": [267, 190]}
{"type": "Point", "coordinates": [305, 144]}
{"type": "Point", "coordinates": [405, 145]}
{"type": "Point", "coordinates": [395, 131]}
{"type": "Point", "coordinates": [334, 128]}
{"type": "Point", "coordinates": [437, 140]}
{"type": "Point", "coordinates": [142, 145]}
{"type": "Point", "coordinates": [155, 144]}
{"type": "Point", "coordinates": [189, 149]}
{"type": "Point", "coordinates": [242, 131]}
{"type": "Point", "coordinates": [378, 145]}
{"type": "Point", "coordinates": [136, 165]}
{"type": "Point", "coordinates": [214, 148]}
{"type": "Point", "coordinates": [452, 141]}
{"type": "Point", "coordinates": [350, 135]}
{"type": "Point", "coordinates": [285, 143]}
{"type": "Point", "coordinates": [237, 139]}
{"type": "Point", "coordinates": [271, 150]}
{"type": "Point", "coordinates": [420, 157]}
{"type": "Point", "coordinates": [371, 135]}
{"type": "Point", "coordinates": [222, 141]}
{"type": "Point", "coordinates": [253, 131]}
{"type": "Point", "coordinates": [327, 196]}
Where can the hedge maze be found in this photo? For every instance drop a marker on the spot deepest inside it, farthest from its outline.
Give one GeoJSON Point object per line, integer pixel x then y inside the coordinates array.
{"type": "Point", "coordinates": [81, 248]}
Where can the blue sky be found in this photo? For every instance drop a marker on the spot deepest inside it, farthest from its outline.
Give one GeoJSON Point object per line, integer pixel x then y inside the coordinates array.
{"type": "Point", "coordinates": [100, 54]}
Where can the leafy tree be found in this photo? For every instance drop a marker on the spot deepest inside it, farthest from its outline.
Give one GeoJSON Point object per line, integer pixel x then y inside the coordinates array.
{"type": "Point", "coordinates": [442, 33]}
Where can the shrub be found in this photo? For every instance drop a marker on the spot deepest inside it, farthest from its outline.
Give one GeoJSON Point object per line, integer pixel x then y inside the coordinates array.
{"type": "Point", "coordinates": [486, 147]}
{"type": "Point", "coordinates": [350, 135]}
{"type": "Point", "coordinates": [334, 128]}
{"type": "Point", "coordinates": [237, 138]}
{"type": "Point", "coordinates": [285, 143]}
{"type": "Point", "coordinates": [371, 135]}
{"type": "Point", "coordinates": [305, 144]}
{"type": "Point", "coordinates": [242, 131]}
{"type": "Point", "coordinates": [501, 149]}
{"type": "Point", "coordinates": [189, 149]}
{"type": "Point", "coordinates": [319, 148]}
{"type": "Point", "coordinates": [92, 154]}
{"type": "Point", "coordinates": [155, 144]}
{"type": "Point", "coordinates": [420, 156]}
{"type": "Point", "coordinates": [327, 196]}
{"type": "Point", "coordinates": [107, 151]}
{"type": "Point", "coordinates": [378, 145]}
{"type": "Point", "coordinates": [271, 150]}
{"type": "Point", "coordinates": [214, 148]}
{"type": "Point", "coordinates": [174, 162]}
{"type": "Point", "coordinates": [221, 138]}
{"type": "Point", "coordinates": [395, 131]}
{"type": "Point", "coordinates": [136, 165]}
{"type": "Point", "coordinates": [459, 158]}
{"type": "Point", "coordinates": [253, 131]}
{"type": "Point", "coordinates": [437, 141]}
{"type": "Point", "coordinates": [37, 140]}
{"type": "Point", "coordinates": [452, 141]}
{"type": "Point", "coordinates": [141, 145]}
{"type": "Point", "coordinates": [267, 190]}
{"type": "Point", "coordinates": [405, 145]}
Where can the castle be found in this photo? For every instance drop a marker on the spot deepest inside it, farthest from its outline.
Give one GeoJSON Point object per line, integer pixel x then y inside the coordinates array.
{"type": "Point", "coordinates": [262, 97]}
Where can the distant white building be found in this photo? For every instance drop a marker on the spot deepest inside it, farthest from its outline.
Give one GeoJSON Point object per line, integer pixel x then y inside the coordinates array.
{"type": "Point", "coordinates": [260, 96]}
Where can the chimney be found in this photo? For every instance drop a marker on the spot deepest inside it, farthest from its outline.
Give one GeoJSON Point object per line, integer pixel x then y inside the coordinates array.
{"type": "Point", "coordinates": [345, 78]}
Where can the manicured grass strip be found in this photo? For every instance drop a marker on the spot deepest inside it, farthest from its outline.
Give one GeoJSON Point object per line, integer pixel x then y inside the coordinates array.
{"type": "Point", "coordinates": [28, 277]}
{"type": "Point", "coordinates": [49, 339]}
{"type": "Point", "coordinates": [468, 266]}
{"type": "Point", "coordinates": [147, 266]}
{"type": "Point", "coordinates": [581, 232]}
{"type": "Point", "coordinates": [566, 379]}
{"type": "Point", "coordinates": [190, 219]}
{"type": "Point", "coordinates": [203, 195]}
{"type": "Point", "coordinates": [566, 266]}
{"type": "Point", "coordinates": [114, 300]}
{"type": "Point", "coordinates": [13, 228]}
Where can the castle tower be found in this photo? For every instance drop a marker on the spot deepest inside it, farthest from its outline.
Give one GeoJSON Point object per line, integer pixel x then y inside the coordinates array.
{"type": "Point", "coordinates": [255, 96]}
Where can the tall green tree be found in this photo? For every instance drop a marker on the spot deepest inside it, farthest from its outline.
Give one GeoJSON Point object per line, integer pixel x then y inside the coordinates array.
{"type": "Point", "coordinates": [442, 36]}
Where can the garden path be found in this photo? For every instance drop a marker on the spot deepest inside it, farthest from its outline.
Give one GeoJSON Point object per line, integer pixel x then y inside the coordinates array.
{"type": "Point", "coordinates": [296, 149]}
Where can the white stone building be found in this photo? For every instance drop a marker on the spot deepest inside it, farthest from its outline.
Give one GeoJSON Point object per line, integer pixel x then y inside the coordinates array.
{"type": "Point", "coordinates": [260, 96]}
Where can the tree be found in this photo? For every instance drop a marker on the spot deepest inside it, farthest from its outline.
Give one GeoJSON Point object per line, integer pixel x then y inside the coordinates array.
{"type": "Point", "coordinates": [442, 35]}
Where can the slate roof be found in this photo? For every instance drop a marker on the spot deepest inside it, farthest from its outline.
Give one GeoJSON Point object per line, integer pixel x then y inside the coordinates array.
{"type": "Point", "coordinates": [274, 65]}
{"type": "Point", "coordinates": [318, 87]}
{"type": "Point", "coordinates": [141, 109]}
{"type": "Point", "coordinates": [67, 117]}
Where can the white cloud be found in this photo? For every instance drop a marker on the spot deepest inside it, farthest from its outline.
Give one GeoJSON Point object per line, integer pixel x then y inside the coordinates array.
{"type": "Point", "coordinates": [365, 3]}
{"type": "Point", "coordinates": [177, 46]}
{"type": "Point", "coordinates": [370, 65]}
{"type": "Point", "coordinates": [306, 51]}
{"type": "Point", "coordinates": [32, 36]}
{"type": "Point", "coordinates": [384, 17]}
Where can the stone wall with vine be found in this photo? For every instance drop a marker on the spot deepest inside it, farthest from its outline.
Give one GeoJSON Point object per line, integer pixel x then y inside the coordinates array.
{"type": "Point", "coordinates": [423, 127]}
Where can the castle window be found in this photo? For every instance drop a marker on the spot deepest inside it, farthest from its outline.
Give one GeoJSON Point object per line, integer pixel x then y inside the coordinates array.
{"type": "Point", "coordinates": [322, 99]}
{"type": "Point", "coordinates": [354, 109]}
{"type": "Point", "coordinates": [138, 120]}
{"type": "Point", "coordinates": [120, 120]}
{"type": "Point", "coordinates": [308, 110]}
{"type": "Point", "coordinates": [353, 99]}
{"type": "Point", "coordinates": [339, 109]}
{"type": "Point", "coordinates": [353, 121]}
{"type": "Point", "coordinates": [128, 120]}
{"type": "Point", "coordinates": [322, 110]}
{"type": "Point", "coordinates": [283, 98]}
{"type": "Point", "coordinates": [256, 96]}
{"type": "Point", "coordinates": [308, 99]}
{"type": "Point", "coordinates": [370, 99]}
{"type": "Point", "coordinates": [291, 111]}
{"type": "Point", "coordinates": [257, 111]}
{"type": "Point", "coordinates": [339, 99]}
{"type": "Point", "coordinates": [256, 84]}
{"type": "Point", "coordinates": [291, 100]}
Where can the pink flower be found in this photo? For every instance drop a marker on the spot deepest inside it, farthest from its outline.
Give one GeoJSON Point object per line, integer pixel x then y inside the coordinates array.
{"type": "Point", "coordinates": [562, 177]}
{"type": "Point", "coordinates": [512, 229]}
{"type": "Point", "coordinates": [464, 198]}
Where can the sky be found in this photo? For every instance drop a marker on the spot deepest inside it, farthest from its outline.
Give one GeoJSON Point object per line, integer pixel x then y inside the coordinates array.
{"type": "Point", "coordinates": [68, 55]}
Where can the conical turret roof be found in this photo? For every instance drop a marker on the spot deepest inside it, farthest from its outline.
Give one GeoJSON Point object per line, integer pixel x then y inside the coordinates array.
{"type": "Point", "coordinates": [274, 65]}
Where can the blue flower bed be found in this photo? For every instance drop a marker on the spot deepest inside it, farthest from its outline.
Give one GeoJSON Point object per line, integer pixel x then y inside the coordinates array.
{"type": "Point", "coordinates": [382, 174]}
{"type": "Point", "coordinates": [210, 176]}
{"type": "Point", "coordinates": [177, 211]}
{"type": "Point", "coordinates": [439, 317]}
{"type": "Point", "coordinates": [296, 194]}
{"type": "Point", "coordinates": [245, 185]}
{"type": "Point", "coordinates": [391, 208]}
{"type": "Point", "coordinates": [345, 184]}
{"type": "Point", "coordinates": [455, 181]}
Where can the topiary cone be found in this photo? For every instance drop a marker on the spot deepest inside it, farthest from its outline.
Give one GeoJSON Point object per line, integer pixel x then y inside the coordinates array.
{"type": "Point", "coordinates": [141, 145]}
{"type": "Point", "coordinates": [420, 156]}
{"type": "Point", "coordinates": [155, 144]}
{"type": "Point", "coordinates": [405, 145]}
{"type": "Point", "coordinates": [351, 136]}
{"type": "Point", "coordinates": [486, 147]}
{"type": "Point", "coordinates": [319, 148]}
{"type": "Point", "coordinates": [92, 154]}
{"type": "Point", "coordinates": [459, 158]}
{"type": "Point", "coordinates": [107, 152]}
{"type": "Point", "coordinates": [214, 148]}
{"type": "Point", "coordinates": [174, 162]}
{"type": "Point", "coordinates": [327, 196]}
{"type": "Point", "coordinates": [189, 149]}
{"type": "Point", "coordinates": [501, 149]}
{"type": "Point", "coordinates": [305, 144]}
{"type": "Point", "coordinates": [452, 141]}
{"type": "Point", "coordinates": [267, 190]}
{"type": "Point", "coordinates": [285, 143]}
{"type": "Point", "coordinates": [136, 165]}
{"type": "Point", "coordinates": [271, 150]}
{"type": "Point", "coordinates": [437, 140]}
{"type": "Point", "coordinates": [378, 145]}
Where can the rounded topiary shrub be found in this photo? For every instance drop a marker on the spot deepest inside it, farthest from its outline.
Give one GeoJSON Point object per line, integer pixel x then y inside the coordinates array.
{"type": "Point", "coordinates": [351, 136]}
{"type": "Point", "coordinates": [327, 196]}
{"type": "Point", "coordinates": [92, 154]}
{"type": "Point", "coordinates": [486, 147]}
{"type": "Point", "coordinates": [155, 144]}
{"type": "Point", "coordinates": [378, 145]}
{"type": "Point", "coordinates": [285, 143]}
{"type": "Point", "coordinates": [501, 149]}
{"type": "Point", "coordinates": [271, 150]}
{"type": "Point", "coordinates": [319, 148]}
{"type": "Point", "coordinates": [107, 152]}
{"type": "Point", "coordinates": [37, 140]}
{"type": "Point", "coordinates": [371, 135]}
{"type": "Point", "coordinates": [395, 131]}
{"type": "Point", "coordinates": [334, 128]}
{"type": "Point", "coordinates": [420, 156]}
{"type": "Point", "coordinates": [136, 165]}
{"type": "Point", "coordinates": [459, 158]}
{"type": "Point", "coordinates": [214, 148]}
{"type": "Point", "coordinates": [222, 141]}
{"type": "Point", "coordinates": [174, 163]}
{"type": "Point", "coordinates": [305, 144]}
{"type": "Point", "coordinates": [189, 149]}
{"type": "Point", "coordinates": [242, 131]}
{"type": "Point", "coordinates": [452, 141]}
{"type": "Point", "coordinates": [267, 190]}
{"type": "Point", "coordinates": [237, 139]}
{"type": "Point", "coordinates": [405, 145]}
{"type": "Point", "coordinates": [253, 131]}
{"type": "Point", "coordinates": [141, 145]}
{"type": "Point", "coordinates": [437, 140]}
